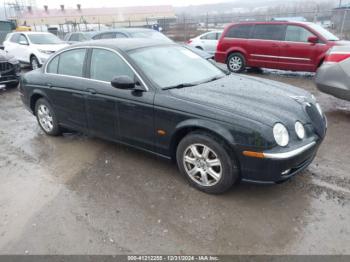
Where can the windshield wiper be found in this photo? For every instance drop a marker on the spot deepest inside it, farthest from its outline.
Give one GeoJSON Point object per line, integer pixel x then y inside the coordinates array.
{"type": "Point", "coordinates": [179, 86]}
{"type": "Point", "coordinates": [212, 79]}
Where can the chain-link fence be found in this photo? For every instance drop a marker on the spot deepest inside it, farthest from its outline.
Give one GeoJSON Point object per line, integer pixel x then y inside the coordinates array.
{"type": "Point", "coordinates": [184, 27]}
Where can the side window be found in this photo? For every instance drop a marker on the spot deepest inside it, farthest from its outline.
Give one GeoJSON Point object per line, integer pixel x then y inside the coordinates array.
{"type": "Point", "coordinates": [109, 35]}
{"type": "Point", "coordinates": [53, 65]}
{"type": "Point", "coordinates": [74, 37]}
{"type": "Point", "coordinates": [218, 35]}
{"type": "Point", "coordinates": [240, 31]}
{"type": "Point", "coordinates": [14, 38]}
{"type": "Point", "coordinates": [120, 35]}
{"type": "Point", "coordinates": [297, 34]}
{"type": "Point", "coordinates": [71, 62]}
{"type": "Point", "coordinates": [96, 37]}
{"type": "Point", "coordinates": [22, 39]}
{"type": "Point", "coordinates": [105, 65]}
{"type": "Point", "coordinates": [269, 32]}
{"type": "Point", "coordinates": [210, 36]}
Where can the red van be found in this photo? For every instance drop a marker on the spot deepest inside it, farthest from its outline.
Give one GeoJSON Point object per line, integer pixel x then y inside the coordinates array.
{"type": "Point", "coordinates": [297, 46]}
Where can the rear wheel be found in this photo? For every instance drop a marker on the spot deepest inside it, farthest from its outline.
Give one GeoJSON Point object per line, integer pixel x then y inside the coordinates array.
{"type": "Point", "coordinates": [46, 117]}
{"type": "Point", "coordinates": [206, 163]}
{"type": "Point", "coordinates": [236, 62]}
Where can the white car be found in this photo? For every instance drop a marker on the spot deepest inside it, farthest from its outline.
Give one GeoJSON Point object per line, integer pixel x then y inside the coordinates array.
{"type": "Point", "coordinates": [206, 42]}
{"type": "Point", "coordinates": [32, 48]}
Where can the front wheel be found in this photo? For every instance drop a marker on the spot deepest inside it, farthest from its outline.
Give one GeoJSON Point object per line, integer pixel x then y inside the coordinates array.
{"type": "Point", "coordinates": [46, 117]}
{"type": "Point", "coordinates": [34, 63]}
{"type": "Point", "coordinates": [236, 62]}
{"type": "Point", "coordinates": [205, 162]}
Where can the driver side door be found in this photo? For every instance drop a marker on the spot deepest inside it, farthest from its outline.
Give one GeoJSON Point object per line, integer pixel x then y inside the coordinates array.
{"type": "Point", "coordinates": [117, 114]}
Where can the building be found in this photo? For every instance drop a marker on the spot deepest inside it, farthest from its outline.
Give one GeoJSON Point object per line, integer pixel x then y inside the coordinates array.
{"type": "Point", "coordinates": [110, 16]}
{"type": "Point", "coordinates": [341, 18]}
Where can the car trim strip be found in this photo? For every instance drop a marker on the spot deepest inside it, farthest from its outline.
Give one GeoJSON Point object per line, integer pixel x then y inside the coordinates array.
{"type": "Point", "coordinates": [289, 154]}
{"type": "Point", "coordinates": [283, 57]}
{"type": "Point", "coordinates": [92, 47]}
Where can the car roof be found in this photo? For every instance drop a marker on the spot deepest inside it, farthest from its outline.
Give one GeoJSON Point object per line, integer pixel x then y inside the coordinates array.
{"type": "Point", "coordinates": [124, 44]}
{"type": "Point", "coordinates": [276, 22]}
{"type": "Point", "coordinates": [33, 33]}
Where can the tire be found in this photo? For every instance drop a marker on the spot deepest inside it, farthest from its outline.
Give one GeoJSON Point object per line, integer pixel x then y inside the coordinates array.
{"type": "Point", "coordinates": [34, 62]}
{"type": "Point", "coordinates": [46, 118]}
{"type": "Point", "coordinates": [197, 170]}
{"type": "Point", "coordinates": [236, 62]}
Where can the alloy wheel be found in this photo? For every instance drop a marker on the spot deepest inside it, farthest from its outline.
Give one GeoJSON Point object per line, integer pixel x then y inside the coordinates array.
{"type": "Point", "coordinates": [45, 118]}
{"type": "Point", "coordinates": [202, 165]}
{"type": "Point", "coordinates": [34, 64]}
{"type": "Point", "coordinates": [235, 63]}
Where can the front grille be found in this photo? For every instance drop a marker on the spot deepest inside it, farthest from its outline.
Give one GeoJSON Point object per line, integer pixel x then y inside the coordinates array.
{"type": "Point", "coordinates": [5, 66]}
{"type": "Point", "coordinates": [317, 120]}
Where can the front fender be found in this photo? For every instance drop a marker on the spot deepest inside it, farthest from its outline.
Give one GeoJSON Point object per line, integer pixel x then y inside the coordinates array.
{"type": "Point", "coordinates": [211, 126]}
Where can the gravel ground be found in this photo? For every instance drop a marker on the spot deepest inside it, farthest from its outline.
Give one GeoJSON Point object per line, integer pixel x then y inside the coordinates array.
{"type": "Point", "coordinates": [79, 195]}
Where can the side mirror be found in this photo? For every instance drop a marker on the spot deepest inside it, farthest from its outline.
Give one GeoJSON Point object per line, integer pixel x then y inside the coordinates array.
{"type": "Point", "coordinates": [23, 42]}
{"type": "Point", "coordinates": [313, 39]}
{"type": "Point", "coordinates": [123, 82]}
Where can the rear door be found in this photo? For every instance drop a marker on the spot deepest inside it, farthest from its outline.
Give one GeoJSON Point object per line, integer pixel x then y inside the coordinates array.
{"type": "Point", "coordinates": [296, 52]}
{"type": "Point", "coordinates": [264, 47]}
{"type": "Point", "coordinates": [66, 87]}
{"type": "Point", "coordinates": [11, 44]}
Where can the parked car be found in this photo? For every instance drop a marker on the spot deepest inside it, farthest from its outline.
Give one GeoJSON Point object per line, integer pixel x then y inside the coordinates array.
{"type": "Point", "coordinates": [297, 46]}
{"type": "Point", "coordinates": [77, 37]}
{"type": "Point", "coordinates": [206, 42]}
{"type": "Point", "coordinates": [10, 70]}
{"type": "Point", "coordinates": [220, 128]}
{"type": "Point", "coordinates": [32, 48]}
{"type": "Point", "coordinates": [333, 77]}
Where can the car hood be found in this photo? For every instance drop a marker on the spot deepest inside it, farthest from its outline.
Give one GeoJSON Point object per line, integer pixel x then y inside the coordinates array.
{"type": "Point", "coordinates": [54, 48]}
{"type": "Point", "coordinates": [257, 99]}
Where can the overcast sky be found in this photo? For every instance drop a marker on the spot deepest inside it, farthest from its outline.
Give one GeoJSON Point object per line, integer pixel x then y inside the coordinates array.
{"type": "Point", "coordinates": [110, 3]}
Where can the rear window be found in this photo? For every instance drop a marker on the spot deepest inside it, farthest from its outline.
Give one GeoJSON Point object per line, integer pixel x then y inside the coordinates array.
{"type": "Point", "coordinates": [239, 31]}
{"type": "Point", "coordinates": [269, 32]}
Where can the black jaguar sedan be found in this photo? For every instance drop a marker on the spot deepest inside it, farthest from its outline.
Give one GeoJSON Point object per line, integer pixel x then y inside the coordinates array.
{"type": "Point", "coordinates": [165, 99]}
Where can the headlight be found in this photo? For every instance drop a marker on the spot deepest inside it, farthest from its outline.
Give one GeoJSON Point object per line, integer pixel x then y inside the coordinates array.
{"type": "Point", "coordinates": [319, 109]}
{"type": "Point", "coordinates": [280, 134]}
{"type": "Point", "coordinates": [45, 51]}
{"type": "Point", "coordinates": [300, 130]}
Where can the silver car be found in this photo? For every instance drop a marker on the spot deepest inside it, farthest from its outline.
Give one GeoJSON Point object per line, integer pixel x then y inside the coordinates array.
{"type": "Point", "coordinates": [333, 77]}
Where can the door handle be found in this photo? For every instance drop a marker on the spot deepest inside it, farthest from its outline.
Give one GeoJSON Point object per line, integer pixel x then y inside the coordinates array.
{"type": "Point", "coordinates": [91, 91]}
{"type": "Point", "coordinates": [48, 85]}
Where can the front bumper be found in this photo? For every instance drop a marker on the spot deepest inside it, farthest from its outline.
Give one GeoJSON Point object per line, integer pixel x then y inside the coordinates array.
{"type": "Point", "coordinates": [11, 75]}
{"type": "Point", "coordinates": [277, 167]}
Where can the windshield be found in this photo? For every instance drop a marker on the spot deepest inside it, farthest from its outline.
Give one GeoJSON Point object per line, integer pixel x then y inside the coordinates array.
{"type": "Point", "coordinates": [44, 39]}
{"type": "Point", "coordinates": [325, 33]}
{"type": "Point", "coordinates": [151, 35]}
{"type": "Point", "coordinates": [171, 66]}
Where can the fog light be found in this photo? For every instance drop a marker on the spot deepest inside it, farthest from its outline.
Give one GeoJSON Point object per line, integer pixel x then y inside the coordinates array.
{"type": "Point", "coordinates": [286, 172]}
{"type": "Point", "coordinates": [299, 129]}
